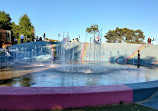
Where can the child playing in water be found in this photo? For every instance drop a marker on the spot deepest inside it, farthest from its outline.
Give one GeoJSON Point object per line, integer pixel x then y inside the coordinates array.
{"type": "Point", "coordinates": [7, 52]}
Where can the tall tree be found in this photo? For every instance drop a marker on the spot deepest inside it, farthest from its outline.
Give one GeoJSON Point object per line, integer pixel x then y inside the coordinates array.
{"type": "Point", "coordinates": [26, 27]}
{"type": "Point", "coordinates": [92, 30]}
{"type": "Point", "coordinates": [15, 29]}
{"type": "Point", "coordinates": [5, 21]}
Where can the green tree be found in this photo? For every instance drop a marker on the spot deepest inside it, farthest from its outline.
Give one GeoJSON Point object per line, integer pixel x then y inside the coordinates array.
{"type": "Point", "coordinates": [139, 36]}
{"type": "Point", "coordinates": [15, 29]}
{"type": "Point", "coordinates": [130, 36]}
{"type": "Point", "coordinates": [26, 27]}
{"type": "Point", "coordinates": [115, 35]}
{"type": "Point", "coordinates": [5, 21]}
{"type": "Point", "coordinates": [92, 30]}
{"type": "Point", "coordinates": [110, 36]}
{"type": "Point", "coordinates": [124, 35]}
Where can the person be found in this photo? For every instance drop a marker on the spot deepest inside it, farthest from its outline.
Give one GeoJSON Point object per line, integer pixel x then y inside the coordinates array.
{"type": "Point", "coordinates": [138, 61]}
{"type": "Point", "coordinates": [15, 41]}
{"type": "Point", "coordinates": [36, 38]}
{"type": "Point", "coordinates": [22, 38]}
{"type": "Point", "coordinates": [77, 39]}
{"type": "Point", "coordinates": [7, 52]}
{"type": "Point", "coordinates": [33, 38]}
{"type": "Point", "coordinates": [149, 40]}
{"type": "Point", "coordinates": [44, 36]}
{"type": "Point", "coordinates": [40, 39]}
{"type": "Point", "coordinates": [98, 38]}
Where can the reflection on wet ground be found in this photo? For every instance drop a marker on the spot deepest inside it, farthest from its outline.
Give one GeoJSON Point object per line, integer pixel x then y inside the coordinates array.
{"type": "Point", "coordinates": [46, 76]}
{"type": "Point", "coordinates": [17, 70]}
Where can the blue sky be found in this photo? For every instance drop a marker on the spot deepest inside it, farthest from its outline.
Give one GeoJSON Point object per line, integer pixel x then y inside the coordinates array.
{"type": "Point", "coordinates": [74, 16]}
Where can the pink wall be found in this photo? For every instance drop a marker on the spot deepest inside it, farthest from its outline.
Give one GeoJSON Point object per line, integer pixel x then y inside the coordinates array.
{"type": "Point", "coordinates": [39, 98]}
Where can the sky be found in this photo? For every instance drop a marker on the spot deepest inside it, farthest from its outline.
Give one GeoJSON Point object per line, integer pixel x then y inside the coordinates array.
{"type": "Point", "coordinates": [74, 16]}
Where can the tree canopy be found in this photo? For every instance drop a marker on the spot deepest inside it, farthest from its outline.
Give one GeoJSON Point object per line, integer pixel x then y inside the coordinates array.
{"type": "Point", "coordinates": [124, 35]}
{"type": "Point", "coordinates": [92, 30]}
{"type": "Point", "coordinates": [5, 21]}
{"type": "Point", "coordinates": [24, 27]}
{"type": "Point", "coordinates": [16, 30]}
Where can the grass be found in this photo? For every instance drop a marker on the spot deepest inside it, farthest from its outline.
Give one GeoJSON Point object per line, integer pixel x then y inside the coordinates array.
{"type": "Point", "coordinates": [121, 107]}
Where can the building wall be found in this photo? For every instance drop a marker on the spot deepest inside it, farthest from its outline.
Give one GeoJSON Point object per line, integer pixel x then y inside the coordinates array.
{"type": "Point", "coordinates": [5, 38]}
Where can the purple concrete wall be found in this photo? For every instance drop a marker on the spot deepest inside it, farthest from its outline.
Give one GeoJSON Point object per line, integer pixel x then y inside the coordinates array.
{"type": "Point", "coordinates": [40, 98]}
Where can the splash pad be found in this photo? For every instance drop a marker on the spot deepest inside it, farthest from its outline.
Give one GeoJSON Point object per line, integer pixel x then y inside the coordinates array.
{"type": "Point", "coordinates": [94, 72]}
{"type": "Point", "coordinates": [73, 64]}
